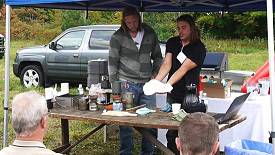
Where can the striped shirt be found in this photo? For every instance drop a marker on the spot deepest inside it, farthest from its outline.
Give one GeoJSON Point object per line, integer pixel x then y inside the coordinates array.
{"type": "Point", "coordinates": [127, 62]}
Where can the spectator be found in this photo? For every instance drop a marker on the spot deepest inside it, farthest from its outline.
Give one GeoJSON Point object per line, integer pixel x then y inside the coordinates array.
{"type": "Point", "coordinates": [198, 135]}
{"type": "Point", "coordinates": [29, 121]}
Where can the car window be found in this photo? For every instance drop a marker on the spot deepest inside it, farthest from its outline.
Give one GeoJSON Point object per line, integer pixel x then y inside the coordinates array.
{"type": "Point", "coordinates": [71, 40]}
{"type": "Point", "coordinates": [100, 39]}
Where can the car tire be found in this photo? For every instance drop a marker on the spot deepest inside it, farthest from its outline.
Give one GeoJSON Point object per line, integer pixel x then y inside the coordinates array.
{"type": "Point", "coordinates": [32, 76]}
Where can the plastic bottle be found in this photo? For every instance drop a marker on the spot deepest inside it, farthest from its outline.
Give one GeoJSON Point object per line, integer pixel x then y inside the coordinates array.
{"type": "Point", "coordinates": [80, 90]}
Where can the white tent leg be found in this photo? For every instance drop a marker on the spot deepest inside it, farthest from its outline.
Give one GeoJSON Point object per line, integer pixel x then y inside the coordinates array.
{"type": "Point", "coordinates": [271, 63]}
{"type": "Point", "coordinates": [7, 76]}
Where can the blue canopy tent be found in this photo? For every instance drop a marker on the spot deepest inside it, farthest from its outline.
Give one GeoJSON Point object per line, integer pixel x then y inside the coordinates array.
{"type": "Point", "coordinates": [148, 6]}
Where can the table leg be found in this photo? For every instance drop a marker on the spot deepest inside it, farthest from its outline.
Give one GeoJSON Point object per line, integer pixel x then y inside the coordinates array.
{"type": "Point", "coordinates": [64, 136]}
{"type": "Point", "coordinates": [154, 141]}
{"type": "Point", "coordinates": [83, 138]}
{"type": "Point", "coordinates": [65, 131]}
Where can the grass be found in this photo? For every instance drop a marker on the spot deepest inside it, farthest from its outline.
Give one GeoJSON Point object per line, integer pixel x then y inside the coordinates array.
{"type": "Point", "coordinates": [243, 55]}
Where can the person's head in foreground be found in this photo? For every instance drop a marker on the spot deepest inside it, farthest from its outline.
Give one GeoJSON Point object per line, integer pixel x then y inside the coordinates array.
{"type": "Point", "coordinates": [198, 135]}
{"type": "Point", "coordinates": [29, 116]}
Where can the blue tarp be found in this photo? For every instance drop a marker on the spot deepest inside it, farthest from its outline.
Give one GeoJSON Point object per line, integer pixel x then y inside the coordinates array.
{"type": "Point", "coordinates": [147, 5]}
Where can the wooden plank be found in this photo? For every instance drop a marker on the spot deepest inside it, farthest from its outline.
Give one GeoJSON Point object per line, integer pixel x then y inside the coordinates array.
{"type": "Point", "coordinates": [60, 148]}
{"type": "Point", "coordinates": [153, 120]}
{"type": "Point", "coordinates": [65, 132]}
{"type": "Point", "coordinates": [82, 139]}
{"type": "Point", "coordinates": [154, 141]}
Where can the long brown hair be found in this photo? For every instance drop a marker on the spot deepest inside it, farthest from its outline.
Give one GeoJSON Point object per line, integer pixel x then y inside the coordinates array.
{"type": "Point", "coordinates": [130, 11]}
{"type": "Point", "coordinates": [195, 33]}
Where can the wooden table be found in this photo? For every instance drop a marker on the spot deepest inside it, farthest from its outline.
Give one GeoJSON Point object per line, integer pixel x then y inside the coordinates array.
{"type": "Point", "coordinates": [153, 120]}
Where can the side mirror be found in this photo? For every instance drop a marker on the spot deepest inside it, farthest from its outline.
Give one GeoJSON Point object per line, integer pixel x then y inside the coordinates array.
{"type": "Point", "coordinates": [52, 46]}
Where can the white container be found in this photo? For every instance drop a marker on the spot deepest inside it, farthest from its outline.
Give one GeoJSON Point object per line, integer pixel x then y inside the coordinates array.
{"type": "Point", "coordinates": [161, 100]}
{"type": "Point", "coordinates": [263, 86]}
{"type": "Point", "coordinates": [49, 93]}
{"type": "Point", "coordinates": [176, 108]}
{"type": "Point", "coordinates": [80, 89]}
{"type": "Point", "coordinates": [252, 88]}
{"type": "Point", "coordinates": [65, 88]}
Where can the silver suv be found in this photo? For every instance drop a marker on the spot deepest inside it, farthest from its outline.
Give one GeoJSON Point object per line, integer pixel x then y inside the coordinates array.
{"type": "Point", "coordinates": [64, 59]}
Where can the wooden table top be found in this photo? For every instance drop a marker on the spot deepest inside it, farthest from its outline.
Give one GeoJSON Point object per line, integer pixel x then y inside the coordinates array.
{"type": "Point", "coordinates": [153, 120]}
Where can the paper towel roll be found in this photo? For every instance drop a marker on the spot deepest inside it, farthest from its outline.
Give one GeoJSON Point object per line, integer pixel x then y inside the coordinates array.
{"type": "Point", "coordinates": [65, 88]}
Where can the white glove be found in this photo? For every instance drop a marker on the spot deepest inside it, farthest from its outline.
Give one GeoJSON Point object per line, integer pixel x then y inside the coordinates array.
{"type": "Point", "coordinates": [168, 87]}
{"type": "Point", "coordinates": [150, 87]}
{"type": "Point", "coordinates": [164, 88]}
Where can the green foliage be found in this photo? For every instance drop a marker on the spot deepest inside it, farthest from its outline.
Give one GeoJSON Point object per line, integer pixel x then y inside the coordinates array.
{"type": "Point", "coordinates": [32, 14]}
{"type": "Point", "coordinates": [235, 46]}
{"type": "Point", "coordinates": [52, 22]}
{"type": "Point", "coordinates": [72, 18]}
{"type": "Point", "coordinates": [234, 25]}
{"type": "Point", "coordinates": [163, 23]}
{"type": "Point", "coordinates": [40, 24]}
{"type": "Point", "coordinates": [251, 24]}
{"type": "Point", "coordinates": [218, 25]}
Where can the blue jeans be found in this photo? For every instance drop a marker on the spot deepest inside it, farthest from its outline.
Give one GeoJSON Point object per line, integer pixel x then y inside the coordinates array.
{"type": "Point", "coordinates": [126, 133]}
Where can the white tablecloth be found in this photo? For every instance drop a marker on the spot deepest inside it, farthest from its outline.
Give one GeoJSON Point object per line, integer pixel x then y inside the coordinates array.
{"type": "Point", "coordinates": [255, 127]}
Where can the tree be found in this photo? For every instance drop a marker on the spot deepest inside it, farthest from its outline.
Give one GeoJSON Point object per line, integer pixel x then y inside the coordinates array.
{"type": "Point", "coordinates": [72, 18]}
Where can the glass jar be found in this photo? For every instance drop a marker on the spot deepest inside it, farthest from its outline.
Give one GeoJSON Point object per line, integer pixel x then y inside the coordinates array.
{"type": "Point", "coordinates": [92, 105]}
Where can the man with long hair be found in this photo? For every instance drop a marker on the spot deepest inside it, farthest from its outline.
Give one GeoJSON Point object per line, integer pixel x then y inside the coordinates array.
{"type": "Point", "coordinates": [184, 57]}
{"type": "Point", "coordinates": [134, 59]}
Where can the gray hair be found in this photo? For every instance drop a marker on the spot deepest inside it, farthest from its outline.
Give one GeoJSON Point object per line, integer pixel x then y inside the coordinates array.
{"type": "Point", "coordinates": [28, 108]}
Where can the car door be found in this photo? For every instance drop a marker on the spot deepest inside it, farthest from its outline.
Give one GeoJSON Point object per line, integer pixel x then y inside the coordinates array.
{"type": "Point", "coordinates": [64, 62]}
{"type": "Point", "coordinates": [98, 48]}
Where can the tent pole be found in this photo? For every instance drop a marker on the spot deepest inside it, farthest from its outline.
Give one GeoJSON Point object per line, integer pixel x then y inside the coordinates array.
{"type": "Point", "coordinates": [271, 64]}
{"type": "Point", "coordinates": [7, 76]}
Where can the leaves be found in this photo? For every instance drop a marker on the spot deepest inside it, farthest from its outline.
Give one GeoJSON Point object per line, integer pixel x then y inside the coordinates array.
{"type": "Point", "coordinates": [33, 22]}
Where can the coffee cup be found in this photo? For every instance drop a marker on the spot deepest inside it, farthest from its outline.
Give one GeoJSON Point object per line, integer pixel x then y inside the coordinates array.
{"type": "Point", "coordinates": [176, 108]}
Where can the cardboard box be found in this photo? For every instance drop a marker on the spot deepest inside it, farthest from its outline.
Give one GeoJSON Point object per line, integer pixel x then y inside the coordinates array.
{"type": "Point", "coordinates": [216, 89]}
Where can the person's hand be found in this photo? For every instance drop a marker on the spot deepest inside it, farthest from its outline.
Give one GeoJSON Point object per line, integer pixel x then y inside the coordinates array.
{"type": "Point", "coordinates": [150, 87]}
{"type": "Point", "coordinates": [168, 87]}
{"type": "Point", "coordinates": [164, 88]}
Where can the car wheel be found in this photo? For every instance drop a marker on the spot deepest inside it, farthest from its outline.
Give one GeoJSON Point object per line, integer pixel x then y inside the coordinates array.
{"type": "Point", "coordinates": [32, 76]}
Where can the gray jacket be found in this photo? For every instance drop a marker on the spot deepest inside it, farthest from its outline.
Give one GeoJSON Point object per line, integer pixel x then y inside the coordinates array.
{"type": "Point", "coordinates": [128, 63]}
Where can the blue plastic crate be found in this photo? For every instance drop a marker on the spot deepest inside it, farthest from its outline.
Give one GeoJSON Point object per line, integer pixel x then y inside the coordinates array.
{"type": "Point", "coordinates": [248, 147]}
